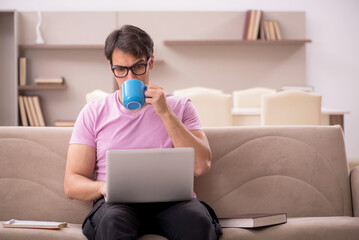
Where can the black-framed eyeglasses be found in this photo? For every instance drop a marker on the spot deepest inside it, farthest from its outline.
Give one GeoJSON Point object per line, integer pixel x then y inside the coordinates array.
{"type": "Point", "coordinates": [137, 69]}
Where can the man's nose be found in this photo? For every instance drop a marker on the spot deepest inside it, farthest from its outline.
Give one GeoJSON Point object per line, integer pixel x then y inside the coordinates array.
{"type": "Point", "coordinates": [130, 75]}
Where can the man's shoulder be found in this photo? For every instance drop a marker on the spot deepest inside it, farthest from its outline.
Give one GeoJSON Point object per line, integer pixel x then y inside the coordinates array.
{"type": "Point", "coordinates": [175, 99]}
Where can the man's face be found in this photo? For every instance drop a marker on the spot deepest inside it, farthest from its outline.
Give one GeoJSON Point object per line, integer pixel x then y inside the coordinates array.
{"type": "Point", "coordinates": [122, 59]}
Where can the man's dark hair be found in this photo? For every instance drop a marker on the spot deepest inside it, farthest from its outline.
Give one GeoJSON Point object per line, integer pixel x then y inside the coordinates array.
{"type": "Point", "coordinates": [131, 40]}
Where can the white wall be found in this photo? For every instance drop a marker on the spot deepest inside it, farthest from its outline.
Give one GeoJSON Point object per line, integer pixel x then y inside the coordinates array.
{"type": "Point", "coordinates": [332, 64]}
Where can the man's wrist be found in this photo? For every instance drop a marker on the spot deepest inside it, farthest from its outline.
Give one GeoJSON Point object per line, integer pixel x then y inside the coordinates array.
{"type": "Point", "coordinates": [100, 186]}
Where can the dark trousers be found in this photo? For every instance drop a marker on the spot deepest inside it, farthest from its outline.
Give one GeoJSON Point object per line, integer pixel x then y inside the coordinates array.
{"type": "Point", "coordinates": [174, 220]}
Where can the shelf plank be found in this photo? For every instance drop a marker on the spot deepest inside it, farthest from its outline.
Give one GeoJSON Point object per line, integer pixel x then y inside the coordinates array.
{"type": "Point", "coordinates": [42, 87]}
{"type": "Point", "coordinates": [68, 47]}
{"type": "Point", "coordinates": [236, 42]}
{"type": "Point", "coordinates": [61, 47]}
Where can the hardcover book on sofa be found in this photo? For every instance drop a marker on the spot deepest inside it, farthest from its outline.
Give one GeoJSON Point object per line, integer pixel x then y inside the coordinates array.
{"type": "Point", "coordinates": [253, 220]}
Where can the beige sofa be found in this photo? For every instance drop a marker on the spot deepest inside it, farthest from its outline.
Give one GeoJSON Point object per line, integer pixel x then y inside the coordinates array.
{"type": "Point", "coordinates": [298, 170]}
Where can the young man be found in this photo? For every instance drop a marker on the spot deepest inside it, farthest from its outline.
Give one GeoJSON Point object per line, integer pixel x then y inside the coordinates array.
{"type": "Point", "coordinates": [165, 121]}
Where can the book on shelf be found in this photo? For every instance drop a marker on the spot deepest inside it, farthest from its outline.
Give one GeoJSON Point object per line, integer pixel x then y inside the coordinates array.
{"type": "Point", "coordinates": [261, 30]}
{"type": "Point", "coordinates": [257, 21]}
{"type": "Point", "coordinates": [38, 110]}
{"type": "Point", "coordinates": [278, 34]}
{"type": "Point", "coordinates": [22, 71]}
{"type": "Point", "coordinates": [246, 24]}
{"type": "Point", "coordinates": [34, 224]}
{"type": "Point", "coordinates": [271, 30]}
{"type": "Point", "coordinates": [23, 117]}
{"type": "Point", "coordinates": [59, 123]}
{"type": "Point", "coordinates": [30, 109]}
{"type": "Point", "coordinates": [54, 80]}
{"type": "Point", "coordinates": [251, 25]}
{"type": "Point", "coordinates": [33, 111]}
{"type": "Point", "coordinates": [253, 220]}
{"type": "Point", "coordinates": [266, 30]}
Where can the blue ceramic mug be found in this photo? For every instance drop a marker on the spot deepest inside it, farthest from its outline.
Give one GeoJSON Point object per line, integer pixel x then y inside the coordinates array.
{"type": "Point", "coordinates": [133, 94]}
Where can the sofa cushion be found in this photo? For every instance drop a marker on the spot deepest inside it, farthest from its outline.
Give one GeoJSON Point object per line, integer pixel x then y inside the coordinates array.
{"type": "Point", "coordinates": [300, 170]}
{"type": "Point", "coordinates": [33, 164]}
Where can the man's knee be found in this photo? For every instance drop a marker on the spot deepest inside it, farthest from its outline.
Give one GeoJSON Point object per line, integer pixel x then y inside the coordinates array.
{"type": "Point", "coordinates": [118, 222]}
{"type": "Point", "coordinates": [201, 226]}
{"type": "Point", "coordinates": [188, 221]}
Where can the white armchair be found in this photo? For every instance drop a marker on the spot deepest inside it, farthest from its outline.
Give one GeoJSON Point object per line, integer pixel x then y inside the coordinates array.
{"type": "Point", "coordinates": [291, 108]}
{"type": "Point", "coordinates": [250, 98]}
{"type": "Point", "coordinates": [213, 106]}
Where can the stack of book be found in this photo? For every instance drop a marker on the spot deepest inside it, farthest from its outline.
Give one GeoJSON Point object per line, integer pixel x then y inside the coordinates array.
{"type": "Point", "coordinates": [271, 30]}
{"type": "Point", "coordinates": [30, 111]}
{"type": "Point", "coordinates": [252, 24]}
{"type": "Point", "coordinates": [49, 81]}
{"type": "Point", "coordinates": [256, 28]}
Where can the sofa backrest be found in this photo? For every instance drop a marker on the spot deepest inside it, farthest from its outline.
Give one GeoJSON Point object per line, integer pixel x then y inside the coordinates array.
{"type": "Point", "coordinates": [300, 170]}
{"type": "Point", "coordinates": [33, 163]}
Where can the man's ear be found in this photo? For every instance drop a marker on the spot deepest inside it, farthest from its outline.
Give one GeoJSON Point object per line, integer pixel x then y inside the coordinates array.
{"type": "Point", "coordinates": [152, 62]}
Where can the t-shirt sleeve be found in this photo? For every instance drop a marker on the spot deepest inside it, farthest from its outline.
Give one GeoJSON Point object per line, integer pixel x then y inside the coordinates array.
{"type": "Point", "coordinates": [83, 132]}
{"type": "Point", "coordinates": [190, 117]}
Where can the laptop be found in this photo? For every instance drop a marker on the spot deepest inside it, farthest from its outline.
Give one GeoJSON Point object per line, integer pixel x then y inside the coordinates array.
{"type": "Point", "coordinates": [149, 175]}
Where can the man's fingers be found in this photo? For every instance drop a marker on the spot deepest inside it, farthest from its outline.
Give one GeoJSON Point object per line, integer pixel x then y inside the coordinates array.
{"type": "Point", "coordinates": [153, 86]}
{"type": "Point", "coordinates": [152, 92]}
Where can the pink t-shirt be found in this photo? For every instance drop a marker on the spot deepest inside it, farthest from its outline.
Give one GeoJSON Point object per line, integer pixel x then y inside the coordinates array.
{"type": "Point", "coordinates": [107, 125]}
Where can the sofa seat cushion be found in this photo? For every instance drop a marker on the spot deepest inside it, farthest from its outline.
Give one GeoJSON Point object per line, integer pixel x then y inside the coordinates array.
{"type": "Point", "coordinates": [306, 228]}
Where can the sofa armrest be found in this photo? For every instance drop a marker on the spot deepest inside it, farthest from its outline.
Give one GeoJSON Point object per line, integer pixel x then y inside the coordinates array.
{"type": "Point", "coordinates": [354, 180]}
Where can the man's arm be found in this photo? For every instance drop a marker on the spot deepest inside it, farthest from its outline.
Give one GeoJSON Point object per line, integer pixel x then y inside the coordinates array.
{"type": "Point", "coordinates": [179, 134]}
{"type": "Point", "coordinates": [79, 168]}
{"type": "Point", "coordinates": [181, 137]}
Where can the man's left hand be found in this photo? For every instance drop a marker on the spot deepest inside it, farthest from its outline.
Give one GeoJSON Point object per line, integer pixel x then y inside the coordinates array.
{"type": "Point", "coordinates": [156, 96]}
